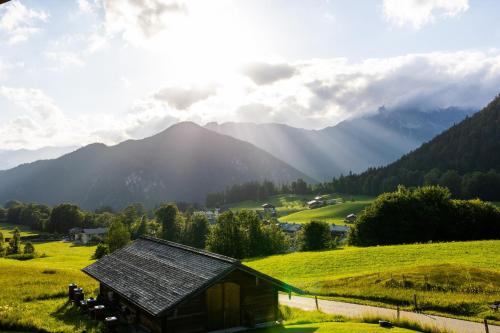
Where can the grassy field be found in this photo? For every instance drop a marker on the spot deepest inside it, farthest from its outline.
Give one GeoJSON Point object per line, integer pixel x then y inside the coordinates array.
{"type": "Point", "coordinates": [6, 230]}
{"type": "Point", "coordinates": [458, 279]}
{"type": "Point", "coordinates": [331, 214]}
{"type": "Point", "coordinates": [285, 203]}
{"type": "Point", "coordinates": [348, 327]}
{"type": "Point", "coordinates": [34, 293]}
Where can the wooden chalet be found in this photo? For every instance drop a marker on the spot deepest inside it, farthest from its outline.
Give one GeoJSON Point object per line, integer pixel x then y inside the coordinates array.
{"type": "Point", "coordinates": [168, 287]}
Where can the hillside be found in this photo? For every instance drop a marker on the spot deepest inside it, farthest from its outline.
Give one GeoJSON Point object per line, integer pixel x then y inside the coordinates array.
{"type": "Point", "coordinates": [456, 279]}
{"type": "Point", "coordinates": [352, 145]}
{"type": "Point", "coordinates": [183, 163]}
{"type": "Point", "coordinates": [460, 158]}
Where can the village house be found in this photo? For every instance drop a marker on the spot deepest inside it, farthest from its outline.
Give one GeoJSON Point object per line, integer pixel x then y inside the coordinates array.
{"type": "Point", "coordinates": [86, 236]}
{"type": "Point", "coordinates": [269, 209]}
{"type": "Point", "coordinates": [351, 218]}
{"type": "Point", "coordinates": [339, 230]}
{"type": "Point", "coordinates": [163, 286]}
{"type": "Point", "coordinates": [290, 227]}
{"type": "Point", "coordinates": [315, 204]}
{"type": "Point", "coordinates": [211, 215]}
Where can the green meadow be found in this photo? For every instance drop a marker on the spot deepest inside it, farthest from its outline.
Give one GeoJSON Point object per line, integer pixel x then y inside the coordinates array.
{"type": "Point", "coordinates": [457, 279]}
{"type": "Point", "coordinates": [33, 294]}
{"type": "Point", "coordinates": [6, 229]}
{"type": "Point", "coordinates": [285, 203]}
{"type": "Point", "coordinates": [332, 214]}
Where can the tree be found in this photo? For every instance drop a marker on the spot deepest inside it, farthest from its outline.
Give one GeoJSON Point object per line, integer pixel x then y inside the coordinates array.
{"type": "Point", "coordinates": [142, 227]}
{"type": "Point", "coordinates": [3, 214]}
{"type": "Point", "coordinates": [252, 226]}
{"type": "Point", "coordinates": [29, 248]}
{"type": "Point", "coordinates": [167, 216]}
{"type": "Point", "coordinates": [118, 235]}
{"type": "Point", "coordinates": [424, 214]}
{"type": "Point", "coordinates": [197, 228]}
{"type": "Point", "coordinates": [15, 243]}
{"type": "Point", "coordinates": [131, 213]}
{"type": "Point", "coordinates": [65, 217]}
{"type": "Point", "coordinates": [227, 237]}
{"type": "Point", "coordinates": [100, 251]}
{"type": "Point", "coordinates": [2, 246]}
{"type": "Point", "coordinates": [316, 235]}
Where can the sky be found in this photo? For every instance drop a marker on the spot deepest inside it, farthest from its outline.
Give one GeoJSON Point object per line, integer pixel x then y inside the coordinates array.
{"type": "Point", "coordinates": [75, 72]}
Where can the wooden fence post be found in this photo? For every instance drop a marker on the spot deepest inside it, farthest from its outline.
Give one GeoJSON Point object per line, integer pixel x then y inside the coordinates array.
{"type": "Point", "coordinates": [398, 312]}
{"type": "Point", "coordinates": [486, 326]}
{"type": "Point", "coordinates": [316, 300]}
{"type": "Point", "coordinates": [415, 302]}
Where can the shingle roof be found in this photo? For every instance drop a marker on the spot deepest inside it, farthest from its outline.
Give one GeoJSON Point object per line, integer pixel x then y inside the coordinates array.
{"type": "Point", "coordinates": [156, 275]}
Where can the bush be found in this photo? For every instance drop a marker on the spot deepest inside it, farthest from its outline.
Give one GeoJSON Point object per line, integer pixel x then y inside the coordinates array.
{"type": "Point", "coordinates": [100, 251]}
{"type": "Point", "coordinates": [22, 257]}
{"type": "Point", "coordinates": [29, 248]}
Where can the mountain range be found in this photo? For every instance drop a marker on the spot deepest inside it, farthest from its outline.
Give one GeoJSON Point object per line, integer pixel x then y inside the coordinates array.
{"type": "Point", "coordinates": [465, 158]}
{"type": "Point", "coordinates": [350, 146]}
{"type": "Point", "coordinates": [182, 163]}
{"type": "Point", "coordinates": [12, 158]}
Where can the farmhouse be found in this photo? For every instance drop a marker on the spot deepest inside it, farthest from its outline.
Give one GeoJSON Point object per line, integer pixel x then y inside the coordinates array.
{"type": "Point", "coordinates": [168, 287]}
{"type": "Point", "coordinates": [315, 204]}
{"type": "Point", "coordinates": [351, 218]}
{"type": "Point", "coordinates": [85, 236]}
{"type": "Point", "coordinates": [269, 209]}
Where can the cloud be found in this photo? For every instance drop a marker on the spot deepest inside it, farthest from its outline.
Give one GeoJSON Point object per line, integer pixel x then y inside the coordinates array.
{"type": "Point", "coordinates": [88, 6]}
{"type": "Point", "coordinates": [264, 73]}
{"type": "Point", "coordinates": [139, 19]}
{"type": "Point", "coordinates": [421, 12]}
{"type": "Point", "coordinates": [20, 22]}
{"type": "Point", "coordinates": [182, 98]}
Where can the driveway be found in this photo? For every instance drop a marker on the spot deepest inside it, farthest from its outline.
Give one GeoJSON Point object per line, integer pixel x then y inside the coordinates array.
{"type": "Point", "coordinates": [356, 310]}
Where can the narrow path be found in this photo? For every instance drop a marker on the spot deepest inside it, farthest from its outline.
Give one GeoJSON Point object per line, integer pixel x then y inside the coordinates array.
{"type": "Point", "coordinates": [356, 310]}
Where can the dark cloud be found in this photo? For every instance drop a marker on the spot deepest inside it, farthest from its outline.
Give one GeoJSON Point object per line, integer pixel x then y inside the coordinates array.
{"type": "Point", "coordinates": [182, 98]}
{"type": "Point", "coordinates": [264, 73]}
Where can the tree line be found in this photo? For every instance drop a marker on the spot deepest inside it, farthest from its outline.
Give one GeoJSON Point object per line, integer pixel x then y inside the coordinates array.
{"type": "Point", "coordinates": [422, 215]}
{"type": "Point", "coordinates": [258, 191]}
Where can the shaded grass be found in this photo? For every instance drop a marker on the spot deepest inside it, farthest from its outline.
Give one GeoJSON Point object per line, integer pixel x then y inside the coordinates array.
{"type": "Point", "coordinates": [456, 279]}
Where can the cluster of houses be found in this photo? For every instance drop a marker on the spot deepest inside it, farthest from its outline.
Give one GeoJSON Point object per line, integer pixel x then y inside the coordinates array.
{"type": "Point", "coordinates": [320, 201]}
{"type": "Point", "coordinates": [340, 231]}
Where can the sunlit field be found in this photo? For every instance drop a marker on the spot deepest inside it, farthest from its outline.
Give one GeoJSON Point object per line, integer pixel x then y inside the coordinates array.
{"type": "Point", "coordinates": [33, 293]}
{"type": "Point", "coordinates": [285, 203]}
{"type": "Point", "coordinates": [6, 229]}
{"type": "Point", "coordinates": [331, 214]}
{"type": "Point", "coordinates": [332, 327]}
{"type": "Point", "coordinates": [457, 279]}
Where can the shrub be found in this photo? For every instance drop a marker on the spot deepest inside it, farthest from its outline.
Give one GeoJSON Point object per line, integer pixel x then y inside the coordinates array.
{"type": "Point", "coordinates": [29, 248]}
{"type": "Point", "coordinates": [100, 251]}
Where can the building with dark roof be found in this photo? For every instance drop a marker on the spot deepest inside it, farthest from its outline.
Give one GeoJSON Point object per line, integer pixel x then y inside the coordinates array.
{"type": "Point", "coordinates": [169, 287]}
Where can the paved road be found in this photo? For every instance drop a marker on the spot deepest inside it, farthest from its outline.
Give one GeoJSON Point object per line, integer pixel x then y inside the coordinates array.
{"type": "Point", "coordinates": [356, 310]}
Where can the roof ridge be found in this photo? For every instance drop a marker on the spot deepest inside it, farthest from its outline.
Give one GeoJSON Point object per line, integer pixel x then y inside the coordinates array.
{"type": "Point", "coordinates": [191, 249]}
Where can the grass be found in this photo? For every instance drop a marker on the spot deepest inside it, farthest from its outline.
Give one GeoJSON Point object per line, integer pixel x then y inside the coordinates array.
{"type": "Point", "coordinates": [455, 279]}
{"type": "Point", "coordinates": [285, 203]}
{"type": "Point", "coordinates": [33, 296]}
{"type": "Point", "coordinates": [300, 321]}
{"type": "Point", "coordinates": [331, 214]}
{"type": "Point", "coordinates": [496, 204]}
{"type": "Point", "coordinates": [7, 229]}
{"type": "Point", "coordinates": [348, 327]}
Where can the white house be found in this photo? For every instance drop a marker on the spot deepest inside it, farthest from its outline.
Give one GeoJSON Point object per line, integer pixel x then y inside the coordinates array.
{"type": "Point", "coordinates": [87, 235]}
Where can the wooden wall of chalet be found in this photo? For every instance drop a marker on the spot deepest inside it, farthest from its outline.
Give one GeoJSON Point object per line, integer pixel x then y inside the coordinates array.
{"type": "Point", "coordinates": [258, 304]}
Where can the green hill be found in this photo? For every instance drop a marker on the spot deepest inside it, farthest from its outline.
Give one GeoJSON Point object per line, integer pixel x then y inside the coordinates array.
{"type": "Point", "coordinates": [331, 214]}
{"type": "Point", "coordinates": [457, 279]}
{"type": "Point", "coordinates": [464, 158]}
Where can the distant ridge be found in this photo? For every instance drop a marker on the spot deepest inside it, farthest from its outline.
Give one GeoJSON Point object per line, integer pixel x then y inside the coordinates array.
{"type": "Point", "coordinates": [182, 163]}
{"type": "Point", "coordinates": [352, 145]}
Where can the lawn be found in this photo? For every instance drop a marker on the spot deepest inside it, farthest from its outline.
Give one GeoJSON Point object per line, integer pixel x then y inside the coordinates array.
{"type": "Point", "coordinates": [34, 293]}
{"type": "Point", "coordinates": [331, 214]}
{"type": "Point", "coordinates": [347, 327]}
{"type": "Point", "coordinates": [6, 229]}
{"type": "Point", "coordinates": [457, 279]}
